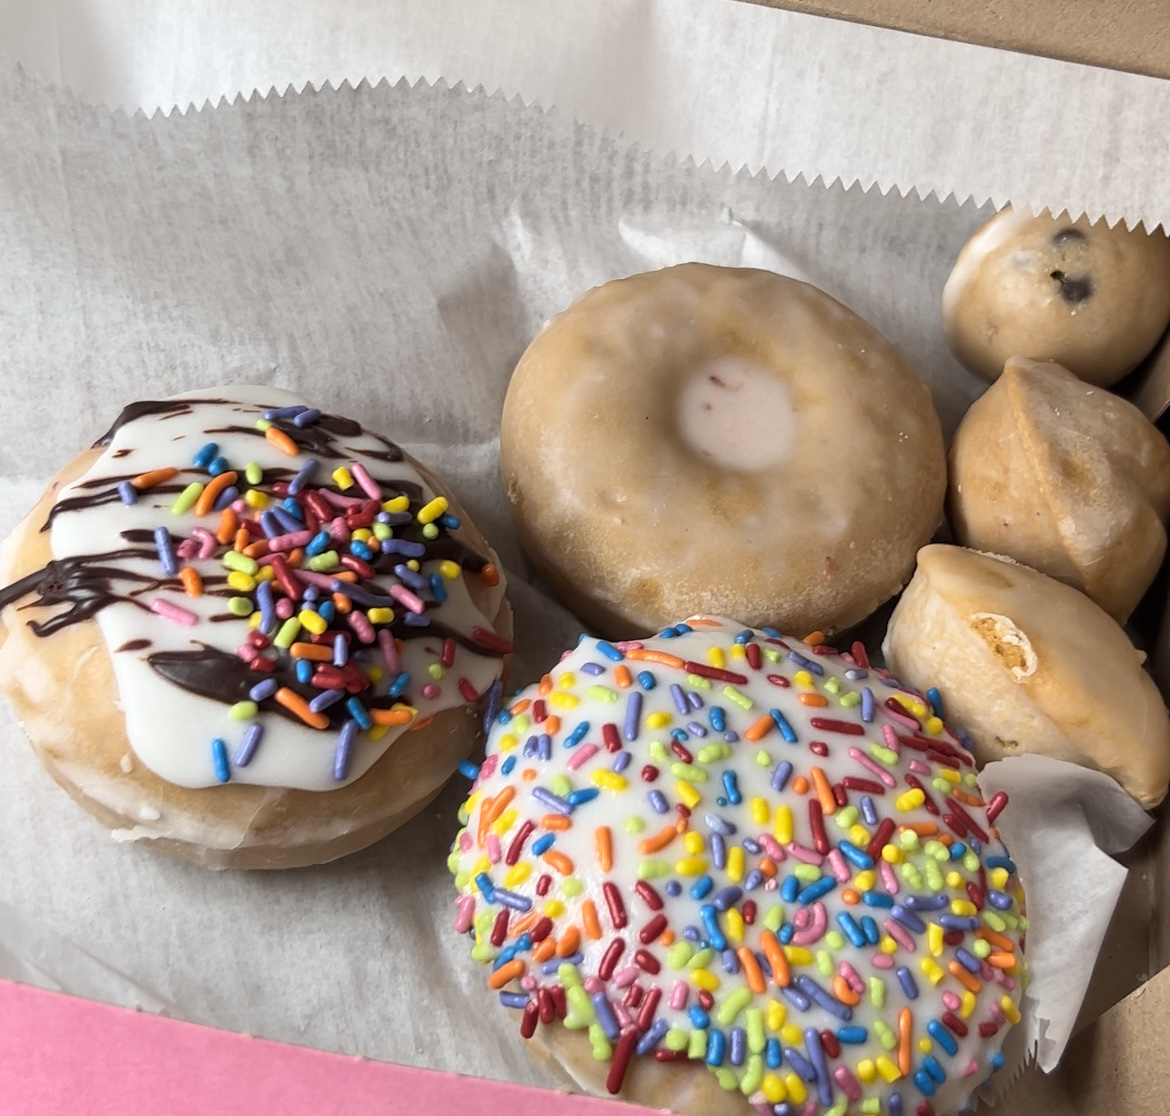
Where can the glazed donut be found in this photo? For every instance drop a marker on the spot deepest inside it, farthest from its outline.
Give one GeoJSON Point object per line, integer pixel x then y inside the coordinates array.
{"type": "Point", "coordinates": [1090, 298]}
{"type": "Point", "coordinates": [720, 440]}
{"type": "Point", "coordinates": [248, 633]}
{"type": "Point", "coordinates": [720, 871]}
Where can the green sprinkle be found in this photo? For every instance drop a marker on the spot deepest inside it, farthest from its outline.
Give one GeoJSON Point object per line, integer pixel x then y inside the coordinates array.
{"type": "Point", "coordinates": [185, 500]}
{"type": "Point", "coordinates": [733, 1004]}
{"type": "Point", "coordinates": [653, 869]}
{"type": "Point", "coordinates": [436, 670]}
{"type": "Point", "coordinates": [689, 771]}
{"type": "Point", "coordinates": [698, 682]}
{"type": "Point", "coordinates": [567, 974]}
{"type": "Point", "coordinates": [1010, 921]}
{"type": "Point", "coordinates": [326, 560]}
{"type": "Point", "coordinates": [872, 1106]}
{"type": "Point", "coordinates": [679, 955]}
{"type": "Point", "coordinates": [934, 877]}
{"type": "Point", "coordinates": [911, 874]}
{"type": "Point", "coordinates": [241, 563]}
{"type": "Point", "coordinates": [753, 1074]}
{"type": "Point", "coordinates": [676, 1039]}
{"type": "Point", "coordinates": [970, 779]}
{"type": "Point", "coordinates": [980, 948]}
{"type": "Point", "coordinates": [635, 824]}
{"type": "Point", "coordinates": [1021, 923]}
{"type": "Point", "coordinates": [849, 699]}
{"type": "Point", "coordinates": [754, 1022]}
{"type": "Point", "coordinates": [971, 862]}
{"type": "Point", "coordinates": [884, 755]}
{"type": "Point", "coordinates": [580, 1009]}
{"type": "Point", "coordinates": [483, 922]}
{"type": "Point", "coordinates": [845, 817]}
{"type": "Point", "coordinates": [764, 758]}
{"type": "Point", "coordinates": [909, 840]}
{"type": "Point", "coordinates": [253, 474]}
{"type": "Point", "coordinates": [382, 531]}
{"type": "Point", "coordinates": [937, 850]}
{"type": "Point", "coordinates": [697, 1048]}
{"type": "Point", "coordinates": [941, 785]}
{"type": "Point", "coordinates": [602, 1051]}
{"type": "Point", "coordinates": [430, 531]}
{"type": "Point", "coordinates": [807, 873]}
{"type": "Point", "coordinates": [658, 752]}
{"type": "Point", "coordinates": [560, 784]}
{"type": "Point", "coordinates": [885, 1035]}
{"type": "Point", "coordinates": [839, 1108]}
{"type": "Point", "coordinates": [710, 753]}
{"type": "Point", "coordinates": [243, 711]}
{"type": "Point", "coordinates": [824, 960]}
{"type": "Point", "coordinates": [728, 1082]}
{"type": "Point", "coordinates": [263, 424]}
{"type": "Point", "coordinates": [571, 887]}
{"type": "Point", "coordinates": [834, 939]}
{"type": "Point", "coordinates": [740, 699]}
{"type": "Point", "coordinates": [520, 725]}
{"type": "Point", "coordinates": [240, 606]}
{"type": "Point", "coordinates": [771, 654]}
{"type": "Point", "coordinates": [483, 951]}
{"type": "Point", "coordinates": [774, 917]}
{"type": "Point", "coordinates": [602, 694]}
{"type": "Point", "coordinates": [877, 991]}
{"type": "Point", "coordinates": [288, 633]}
{"type": "Point", "coordinates": [701, 959]}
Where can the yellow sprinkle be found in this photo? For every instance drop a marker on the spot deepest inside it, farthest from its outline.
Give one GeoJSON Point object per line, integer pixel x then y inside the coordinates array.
{"type": "Point", "coordinates": [783, 826]}
{"type": "Point", "coordinates": [429, 512]}
{"type": "Point", "coordinates": [705, 979]}
{"type": "Point", "coordinates": [342, 478]}
{"type": "Point", "coordinates": [517, 874]}
{"type": "Point", "coordinates": [775, 1014]}
{"type": "Point", "coordinates": [691, 866]}
{"type": "Point", "coordinates": [797, 1093]}
{"type": "Point", "coordinates": [759, 810]}
{"type": "Point", "coordinates": [241, 582]}
{"type": "Point", "coordinates": [967, 1009]}
{"type": "Point", "coordinates": [955, 880]}
{"type": "Point", "coordinates": [791, 1034]}
{"type": "Point", "coordinates": [930, 970]}
{"type": "Point", "coordinates": [934, 939]}
{"type": "Point", "coordinates": [716, 657]}
{"type": "Point", "coordinates": [798, 955]}
{"type": "Point", "coordinates": [566, 681]}
{"type": "Point", "coordinates": [867, 1071]}
{"type": "Point", "coordinates": [254, 498]}
{"type": "Point", "coordinates": [609, 780]}
{"type": "Point", "coordinates": [999, 878]}
{"type": "Point", "coordinates": [560, 700]}
{"type": "Point", "coordinates": [554, 908]}
{"type": "Point", "coordinates": [911, 705]}
{"type": "Point", "coordinates": [933, 725]}
{"type": "Point", "coordinates": [773, 1089]}
{"type": "Point", "coordinates": [859, 835]}
{"type": "Point", "coordinates": [398, 504]}
{"type": "Point", "coordinates": [803, 678]}
{"type": "Point", "coordinates": [738, 651]}
{"type": "Point", "coordinates": [735, 863]}
{"type": "Point", "coordinates": [482, 865]}
{"type": "Point", "coordinates": [887, 1069]}
{"type": "Point", "coordinates": [963, 907]}
{"type": "Point", "coordinates": [448, 570]}
{"type": "Point", "coordinates": [864, 881]}
{"type": "Point", "coordinates": [265, 573]}
{"type": "Point", "coordinates": [380, 615]}
{"type": "Point", "coordinates": [687, 794]}
{"type": "Point", "coordinates": [376, 732]}
{"type": "Point", "coordinates": [315, 622]}
{"type": "Point", "coordinates": [952, 777]}
{"type": "Point", "coordinates": [658, 720]}
{"type": "Point", "coordinates": [887, 944]}
{"type": "Point", "coordinates": [508, 741]}
{"type": "Point", "coordinates": [925, 1046]}
{"type": "Point", "coordinates": [733, 921]}
{"type": "Point", "coordinates": [693, 842]}
{"type": "Point", "coordinates": [911, 800]}
{"type": "Point", "coordinates": [893, 855]}
{"type": "Point", "coordinates": [1009, 1009]}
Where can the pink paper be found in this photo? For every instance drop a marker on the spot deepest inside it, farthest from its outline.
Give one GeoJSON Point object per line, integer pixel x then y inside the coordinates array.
{"type": "Point", "coordinates": [60, 1056]}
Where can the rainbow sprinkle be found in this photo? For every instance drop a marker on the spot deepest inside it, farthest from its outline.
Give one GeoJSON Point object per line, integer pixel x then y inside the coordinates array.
{"type": "Point", "coordinates": [724, 846]}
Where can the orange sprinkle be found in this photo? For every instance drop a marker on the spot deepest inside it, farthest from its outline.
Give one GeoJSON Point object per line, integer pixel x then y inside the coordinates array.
{"type": "Point", "coordinates": [622, 676]}
{"type": "Point", "coordinates": [818, 701]}
{"type": "Point", "coordinates": [211, 491]}
{"type": "Point", "coordinates": [296, 557]}
{"type": "Point", "coordinates": [966, 798]}
{"type": "Point", "coordinates": [1004, 945]}
{"type": "Point", "coordinates": [490, 575]}
{"type": "Point", "coordinates": [282, 442]}
{"type": "Point", "coordinates": [315, 652]}
{"type": "Point", "coordinates": [589, 917]}
{"type": "Point", "coordinates": [963, 977]}
{"type": "Point", "coordinates": [342, 603]}
{"type": "Point", "coordinates": [546, 685]}
{"type": "Point", "coordinates": [569, 942]}
{"type": "Point", "coordinates": [156, 476]}
{"type": "Point", "coordinates": [552, 724]}
{"type": "Point", "coordinates": [559, 861]}
{"type": "Point", "coordinates": [390, 716]}
{"type": "Point", "coordinates": [641, 654]}
{"type": "Point", "coordinates": [294, 703]}
{"type": "Point", "coordinates": [528, 774]}
{"type": "Point", "coordinates": [345, 575]}
{"type": "Point", "coordinates": [775, 955]}
{"type": "Point", "coordinates": [702, 622]}
{"type": "Point", "coordinates": [760, 729]}
{"type": "Point", "coordinates": [800, 785]}
{"type": "Point", "coordinates": [815, 639]}
{"type": "Point", "coordinates": [1002, 960]}
{"type": "Point", "coordinates": [666, 938]}
{"type": "Point", "coordinates": [658, 841]}
{"type": "Point", "coordinates": [850, 896]}
{"type": "Point", "coordinates": [257, 549]}
{"type": "Point", "coordinates": [751, 970]}
{"type": "Point", "coordinates": [543, 950]}
{"type": "Point", "coordinates": [513, 969]}
{"type": "Point", "coordinates": [192, 582]}
{"type": "Point", "coordinates": [824, 791]}
{"type": "Point", "coordinates": [768, 866]}
{"type": "Point", "coordinates": [499, 804]}
{"type": "Point", "coordinates": [241, 540]}
{"type": "Point", "coordinates": [905, 1035]}
{"type": "Point", "coordinates": [946, 839]}
{"type": "Point", "coordinates": [228, 522]}
{"type": "Point", "coordinates": [520, 707]}
{"type": "Point", "coordinates": [923, 829]}
{"type": "Point", "coordinates": [482, 828]}
{"type": "Point", "coordinates": [843, 992]}
{"type": "Point", "coordinates": [603, 844]}
{"type": "Point", "coordinates": [523, 924]}
{"type": "Point", "coordinates": [424, 723]}
{"type": "Point", "coordinates": [555, 821]}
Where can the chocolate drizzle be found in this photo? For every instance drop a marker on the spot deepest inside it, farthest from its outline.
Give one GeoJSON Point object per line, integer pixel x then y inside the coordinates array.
{"type": "Point", "coordinates": [168, 408]}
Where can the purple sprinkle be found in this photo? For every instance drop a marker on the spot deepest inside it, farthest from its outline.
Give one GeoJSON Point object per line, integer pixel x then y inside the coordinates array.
{"type": "Point", "coordinates": [718, 851]}
{"type": "Point", "coordinates": [267, 605]}
{"type": "Point", "coordinates": [867, 810]}
{"type": "Point", "coordinates": [544, 746]}
{"type": "Point", "coordinates": [605, 1016]}
{"type": "Point", "coordinates": [680, 699]}
{"type": "Point", "coordinates": [249, 744]}
{"type": "Point", "coordinates": [416, 581]}
{"type": "Point", "coordinates": [657, 802]}
{"type": "Point", "coordinates": [228, 496]}
{"type": "Point", "coordinates": [737, 1043]}
{"type": "Point", "coordinates": [999, 900]}
{"type": "Point", "coordinates": [414, 620]}
{"type": "Point", "coordinates": [340, 650]}
{"type": "Point", "coordinates": [808, 664]}
{"type": "Point", "coordinates": [263, 689]}
{"type": "Point", "coordinates": [491, 705]}
{"type": "Point", "coordinates": [404, 547]}
{"type": "Point", "coordinates": [694, 700]}
{"type": "Point", "coordinates": [731, 737]}
{"type": "Point", "coordinates": [696, 729]}
{"type": "Point", "coordinates": [514, 999]}
{"type": "Point", "coordinates": [274, 414]}
{"type": "Point", "coordinates": [306, 417]}
{"type": "Point", "coordinates": [325, 699]}
{"type": "Point", "coordinates": [633, 714]}
{"type": "Point", "coordinates": [812, 1043]}
{"type": "Point", "coordinates": [719, 825]}
{"type": "Point", "coordinates": [127, 493]}
{"type": "Point", "coordinates": [270, 525]}
{"type": "Point", "coordinates": [621, 761]}
{"type": "Point", "coordinates": [867, 705]}
{"type": "Point", "coordinates": [341, 758]}
{"type": "Point", "coordinates": [593, 668]}
{"type": "Point", "coordinates": [166, 552]}
{"type": "Point", "coordinates": [289, 522]}
{"type": "Point", "coordinates": [754, 878]}
{"type": "Point", "coordinates": [511, 899]}
{"type": "Point", "coordinates": [652, 1037]}
{"type": "Point", "coordinates": [906, 980]}
{"type": "Point", "coordinates": [751, 845]}
{"type": "Point", "coordinates": [780, 775]}
{"type": "Point", "coordinates": [673, 888]}
{"type": "Point", "coordinates": [727, 897]}
{"type": "Point", "coordinates": [302, 478]}
{"type": "Point", "coordinates": [554, 802]}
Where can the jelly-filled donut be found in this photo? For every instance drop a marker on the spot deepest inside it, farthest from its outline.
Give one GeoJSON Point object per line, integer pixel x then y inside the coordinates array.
{"type": "Point", "coordinates": [1093, 299]}
{"type": "Point", "coordinates": [722, 440]}
{"type": "Point", "coordinates": [249, 633]}
{"type": "Point", "coordinates": [720, 870]}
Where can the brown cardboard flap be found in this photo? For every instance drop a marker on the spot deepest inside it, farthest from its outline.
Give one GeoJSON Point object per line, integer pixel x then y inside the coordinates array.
{"type": "Point", "coordinates": [1152, 395]}
{"type": "Point", "coordinates": [1035, 1094]}
{"type": "Point", "coordinates": [1129, 35]}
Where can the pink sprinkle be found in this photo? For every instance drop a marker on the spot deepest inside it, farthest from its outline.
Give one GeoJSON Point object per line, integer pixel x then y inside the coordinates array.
{"type": "Point", "coordinates": [772, 847]}
{"type": "Point", "coordinates": [838, 866]}
{"type": "Point", "coordinates": [623, 1015]}
{"type": "Point", "coordinates": [464, 841]}
{"type": "Point", "coordinates": [882, 961]}
{"type": "Point", "coordinates": [919, 768]}
{"type": "Point", "coordinates": [585, 752]}
{"type": "Point", "coordinates": [678, 995]}
{"type": "Point", "coordinates": [207, 541]}
{"type": "Point", "coordinates": [762, 1107]}
{"type": "Point", "coordinates": [629, 645]}
{"type": "Point", "coordinates": [880, 772]}
{"type": "Point", "coordinates": [770, 884]}
{"type": "Point", "coordinates": [970, 1068]}
{"type": "Point", "coordinates": [311, 577]}
{"type": "Point", "coordinates": [891, 738]}
{"type": "Point", "coordinates": [528, 982]}
{"type": "Point", "coordinates": [847, 1082]}
{"type": "Point", "coordinates": [899, 935]}
{"type": "Point", "coordinates": [431, 691]}
{"type": "Point", "coordinates": [493, 848]}
{"type": "Point", "coordinates": [901, 717]}
{"type": "Point", "coordinates": [240, 507]}
{"type": "Point", "coordinates": [339, 501]}
{"type": "Point", "coordinates": [809, 856]}
{"type": "Point", "coordinates": [816, 930]}
{"type": "Point", "coordinates": [407, 599]}
{"type": "Point", "coordinates": [889, 880]}
{"type": "Point", "coordinates": [365, 482]}
{"type": "Point", "coordinates": [174, 613]}
{"type": "Point", "coordinates": [997, 1014]}
{"type": "Point", "coordinates": [186, 550]}
{"type": "Point", "coordinates": [593, 985]}
{"type": "Point", "coordinates": [290, 541]}
{"type": "Point", "coordinates": [362, 626]}
{"type": "Point", "coordinates": [389, 651]}
{"type": "Point", "coordinates": [466, 910]}
{"type": "Point", "coordinates": [488, 767]}
{"type": "Point", "coordinates": [247, 652]}
{"type": "Point", "coordinates": [951, 1002]}
{"type": "Point", "coordinates": [1005, 981]}
{"type": "Point", "coordinates": [284, 608]}
{"type": "Point", "coordinates": [852, 977]}
{"type": "Point", "coordinates": [338, 529]}
{"type": "Point", "coordinates": [625, 977]}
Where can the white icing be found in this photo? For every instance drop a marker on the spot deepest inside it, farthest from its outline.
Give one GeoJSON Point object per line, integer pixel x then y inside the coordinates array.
{"type": "Point", "coordinates": [171, 729]}
{"type": "Point", "coordinates": [630, 818]}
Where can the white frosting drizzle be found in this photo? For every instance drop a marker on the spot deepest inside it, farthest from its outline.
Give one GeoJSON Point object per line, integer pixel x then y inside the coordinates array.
{"type": "Point", "coordinates": [171, 729]}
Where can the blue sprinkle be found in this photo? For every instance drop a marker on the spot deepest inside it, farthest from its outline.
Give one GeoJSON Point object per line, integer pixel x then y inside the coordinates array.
{"type": "Point", "coordinates": [127, 493]}
{"type": "Point", "coordinates": [718, 718]}
{"type": "Point", "coordinates": [398, 686]}
{"type": "Point", "coordinates": [667, 633]}
{"type": "Point", "coordinates": [855, 855]}
{"type": "Point", "coordinates": [469, 770]}
{"type": "Point", "coordinates": [1001, 862]}
{"type": "Point", "coordinates": [702, 887]}
{"type": "Point", "coordinates": [731, 786]}
{"type": "Point", "coordinates": [785, 933]}
{"type": "Point", "coordinates": [711, 924]}
{"type": "Point", "coordinates": [925, 1085]}
{"type": "Point", "coordinates": [682, 629]}
{"type": "Point", "coordinates": [219, 465]}
{"type": "Point", "coordinates": [251, 741]}
{"type": "Point", "coordinates": [958, 850]}
{"type": "Point", "coordinates": [996, 1060]}
{"type": "Point", "coordinates": [877, 899]}
{"type": "Point", "coordinates": [358, 712]}
{"type": "Point", "coordinates": [715, 1046]}
{"type": "Point", "coordinates": [483, 883]}
{"type": "Point", "coordinates": [206, 455]}
{"type": "Point", "coordinates": [325, 610]}
{"type": "Point", "coordinates": [943, 1037]}
{"type": "Point", "coordinates": [789, 889]}
{"type": "Point", "coordinates": [507, 766]}
{"type": "Point", "coordinates": [438, 587]}
{"type": "Point", "coordinates": [699, 1018]}
{"type": "Point", "coordinates": [772, 1054]}
{"type": "Point", "coordinates": [646, 680]}
{"type": "Point", "coordinates": [850, 928]}
{"type": "Point", "coordinates": [585, 794]}
{"type": "Point", "coordinates": [816, 889]}
{"type": "Point", "coordinates": [304, 671]}
{"type": "Point", "coordinates": [930, 1064]}
{"type": "Point", "coordinates": [870, 929]}
{"type": "Point", "coordinates": [577, 735]}
{"type": "Point", "coordinates": [609, 651]}
{"type": "Point", "coordinates": [542, 844]}
{"type": "Point", "coordinates": [935, 699]}
{"type": "Point", "coordinates": [318, 544]}
{"type": "Point", "coordinates": [783, 725]}
{"type": "Point", "coordinates": [851, 1036]}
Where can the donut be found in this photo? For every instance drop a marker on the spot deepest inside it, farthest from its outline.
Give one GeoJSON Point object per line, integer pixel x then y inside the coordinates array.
{"type": "Point", "coordinates": [1068, 479]}
{"type": "Point", "coordinates": [248, 633]}
{"type": "Point", "coordinates": [1090, 298]}
{"type": "Point", "coordinates": [718, 870]}
{"type": "Point", "coordinates": [1029, 664]}
{"type": "Point", "coordinates": [719, 440]}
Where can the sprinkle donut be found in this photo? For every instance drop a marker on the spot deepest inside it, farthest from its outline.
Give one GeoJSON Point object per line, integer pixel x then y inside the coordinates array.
{"type": "Point", "coordinates": [719, 863]}
{"type": "Point", "coordinates": [247, 632]}
{"type": "Point", "coordinates": [721, 440]}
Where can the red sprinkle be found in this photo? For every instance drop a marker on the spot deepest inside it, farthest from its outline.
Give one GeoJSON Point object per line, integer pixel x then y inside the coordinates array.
{"type": "Point", "coordinates": [541, 930]}
{"type": "Point", "coordinates": [975, 895]}
{"type": "Point", "coordinates": [704, 671]}
{"type": "Point", "coordinates": [779, 680]}
{"type": "Point", "coordinates": [955, 825]}
{"type": "Point", "coordinates": [621, 1059]}
{"type": "Point", "coordinates": [995, 807]}
{"type": "Point", "coordinates": [649, 773]}
{"type": "Point", "coordinates": [634, 996]}
{"type": "Point", "coordinates": [681, 752]}
{"type": "Point", "coordinates": [448, 660]}
{"type": "Point", "coordinates": [859, 655]}
{"type": "Point", "coordinates": [543, 884]}
{"type": "Point", "coordinates": [953, 1023]}
{"type": "Point", "coordinates": [881, 836]}
{"type": "Point", "coordinates": [560, 1001]}
{"type": "Point", "coordinates": [986, 1030]}
{"type": "Point", "coordinates": [649, 1007]}
{"type": "Point", "coordinates": [548, 1010]}
{"type": "Point", "coordinates": [514, 849]}
{"type": "Point", "coordinates": [649, 963]}
{"type": "Point", "coordinates": [649, 896]}
{"type": "Point", "coordinates": [840, 795]}
{"type": "Point", "coordinates": [753, 655]}
{"type": "Point", "coordinates": [818, 748]}
{"type": "Point", "coordinates": [828, 724]}
{"type": "Point", "coordinates": [830, 1044]}
{"type": "Point", "coordinates": [816, 822]}
{"type": "Point", "coordinates": [925, 1109]}
{"type": "Point", "coordinates": [485, 637]}
{"type": "Point", "coordinates": [901, 714]}
{"type": "Point", "coordinates": [661, 1055]}
{"type": "Point", "coordinates": [749, 911]}
{"type": "Point", "coordinates": [362, 569]}
{"type": "Point", "coordinates": [953, 937]}
{"type": "Point", "coordinates": [539, 709]}
{"type": "Point", "coordinates": [967, 819]}
{"type": "Point", "coordinates": [529, 1018]}
{"type": "Point", "coordinates": [610, 958]}
{"type": "Point", "coordinates": [706, 999]}
{"type": "Point", "coordinates": [467, 690]}
{"type": "Point", "coordinates": [500, 928]}
{"type": "Point", "coordinates": [609, 734]}
{"type": "Point", "coordinates": [866, 786]}
{"type": "Point", "coordinates": [651, 931]}
{"type": "Point", "coordinates": [617, 909]}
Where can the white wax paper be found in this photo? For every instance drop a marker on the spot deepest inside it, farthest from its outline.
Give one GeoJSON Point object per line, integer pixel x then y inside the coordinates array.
{"type": "Point", "coordinates": [709, 79]}
{"type": "Point", "coordinates": [389, 252]}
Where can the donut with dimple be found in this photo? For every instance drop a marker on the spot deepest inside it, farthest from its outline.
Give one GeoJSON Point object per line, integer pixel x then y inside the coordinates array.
{"type": "Point", "coordinates": [248, 633]}
{"type": "Point", "coordinates": [724, 440]}
{"type": "Point", "coordinates": [720, 871]}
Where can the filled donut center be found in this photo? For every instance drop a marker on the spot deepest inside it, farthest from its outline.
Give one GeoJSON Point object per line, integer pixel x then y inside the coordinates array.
{"type": "Point", "coordinates": [736, 414]}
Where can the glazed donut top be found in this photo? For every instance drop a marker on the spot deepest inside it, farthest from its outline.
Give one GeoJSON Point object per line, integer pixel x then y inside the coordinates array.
{"type": "Point", "coordinates": [722, 845]}
{"type": "Point", "coordinates": [281, 592]}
